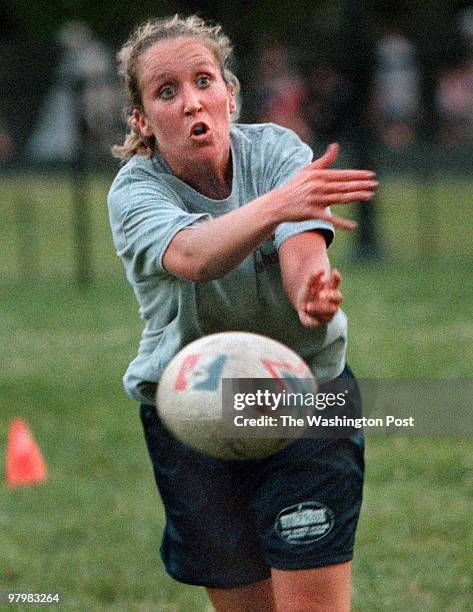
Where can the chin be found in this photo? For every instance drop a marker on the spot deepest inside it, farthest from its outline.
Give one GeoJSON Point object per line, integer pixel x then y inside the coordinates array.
{"type": "Point", "coordinates": [204, 152]}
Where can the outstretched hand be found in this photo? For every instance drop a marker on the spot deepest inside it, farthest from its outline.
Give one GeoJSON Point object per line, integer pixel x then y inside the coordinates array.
{"type": "Point", "coordinates": [319, 298]}
{"type": "Point", "coordinates": [318, 186]}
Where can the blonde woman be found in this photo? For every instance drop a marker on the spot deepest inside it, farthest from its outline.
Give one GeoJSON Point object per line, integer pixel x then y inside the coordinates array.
{"type": "Point", "coordinates": [224, 226]}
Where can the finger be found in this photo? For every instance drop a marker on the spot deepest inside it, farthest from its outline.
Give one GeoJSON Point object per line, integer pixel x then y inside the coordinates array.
{"type": "Point", "coordinates": [314, 283]}
{"type": "Point", "coordinates": [347, 186]}
{"type": "Point", "coordinates": [309, 294]}
{"type": "Point", "coordinates": [338, 222]}
{"type": "Point", "coordinates": [317, 280]}
{"type": "Point", "coordinates": [336, 278]}
{"type": "Point", "coordinates": [311, 290]}
{"type": "Point", "coordinates": [320, 311]}
{"type": "Point", "coordinates": [334, 297]}
{"type": "Point", "coordinates": [345, 175]}
{"type": "Point", "coordinates": [318, 318]}
{"type": "Point", "coordinates": [345, 198]}
{"type": "Point", "coordinates": [322, 297]}
{"type": "Point", "coordinates": [330, 295]}
{"type": "Point", "coordinates": [328, 158]}
{"type": "Point", "coordinates": [323, 310]}
{"type": "Point", "coordinates": [307, 320]}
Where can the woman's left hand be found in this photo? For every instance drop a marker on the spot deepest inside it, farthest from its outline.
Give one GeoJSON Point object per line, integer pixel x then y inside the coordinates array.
{"type": "Point", "coordinates": [319, 298]}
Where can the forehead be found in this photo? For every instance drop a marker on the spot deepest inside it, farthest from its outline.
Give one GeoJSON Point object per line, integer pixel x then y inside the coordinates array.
{"type": "Point", "coordinates": [174, 57]}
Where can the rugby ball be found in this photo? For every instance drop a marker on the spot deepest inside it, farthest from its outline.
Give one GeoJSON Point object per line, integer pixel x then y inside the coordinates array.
{"type": "Point", "coordinates": [196, 395]}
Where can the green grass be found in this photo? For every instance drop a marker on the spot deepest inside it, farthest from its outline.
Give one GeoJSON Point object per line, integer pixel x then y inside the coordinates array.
{"type": "Point", "coordinates": [92, 530]}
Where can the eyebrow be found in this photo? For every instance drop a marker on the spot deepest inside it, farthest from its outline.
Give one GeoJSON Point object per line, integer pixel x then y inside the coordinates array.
{"type": "Point", "coordinates": [163, 76]}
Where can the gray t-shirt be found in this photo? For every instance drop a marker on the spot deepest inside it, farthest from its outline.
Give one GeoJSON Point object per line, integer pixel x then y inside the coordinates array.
{"type": "Point", "coordinates": [148, 205]}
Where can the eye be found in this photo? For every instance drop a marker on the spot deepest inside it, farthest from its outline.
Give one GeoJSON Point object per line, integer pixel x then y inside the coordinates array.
{"type": "Point", "coordinates": [167, 92]}
{"type": "Point", "coordinates": [203, 81]}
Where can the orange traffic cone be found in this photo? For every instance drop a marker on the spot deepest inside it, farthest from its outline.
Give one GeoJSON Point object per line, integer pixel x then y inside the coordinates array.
{"type": "Point", "coordinates": [25, 464]}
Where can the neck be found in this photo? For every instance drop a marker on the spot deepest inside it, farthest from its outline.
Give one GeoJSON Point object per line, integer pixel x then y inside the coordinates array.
{"type": "Point", "coordinates": [211, 185]}
{"type": "Point", "coordinates": [214, 183]}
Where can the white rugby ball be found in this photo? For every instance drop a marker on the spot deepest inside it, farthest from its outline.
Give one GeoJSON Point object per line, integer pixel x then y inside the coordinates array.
{"type": "Point", "coordinates": [189, 394]}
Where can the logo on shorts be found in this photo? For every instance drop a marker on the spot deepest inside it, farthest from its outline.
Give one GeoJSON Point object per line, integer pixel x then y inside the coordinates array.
{"type": "Point", "coordinates": [304, 523]}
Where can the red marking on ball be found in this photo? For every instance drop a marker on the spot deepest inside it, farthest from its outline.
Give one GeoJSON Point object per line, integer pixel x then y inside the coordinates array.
{"type": "Point", "coordinates": [274, 367]}
{"type": "Point", "coordinates": [187, 366]}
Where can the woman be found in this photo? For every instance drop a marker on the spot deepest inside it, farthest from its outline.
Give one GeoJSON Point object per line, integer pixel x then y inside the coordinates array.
{"type": "Point", "coordinates": [225, 227]}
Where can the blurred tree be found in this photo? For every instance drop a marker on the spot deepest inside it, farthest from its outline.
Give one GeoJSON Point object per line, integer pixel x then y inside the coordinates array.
{"type": "Point", "coordinates": [111, 21]}
{"type": "Point", "coordinates": [31, 29]}
{"type": "Point", "coordinates": [357, 61]}
{"type": "Point", "coordinates": [283, 18]}
{"type": "Point", "coordinates": [25, 65]}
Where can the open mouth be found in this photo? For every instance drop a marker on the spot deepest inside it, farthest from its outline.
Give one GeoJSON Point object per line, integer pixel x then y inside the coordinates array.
{"type": "Point", "coordinates": [199, 129]}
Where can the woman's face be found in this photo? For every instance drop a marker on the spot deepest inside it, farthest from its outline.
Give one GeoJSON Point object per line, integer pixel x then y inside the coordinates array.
{"type": "Point", "coordinates": [187, 105]}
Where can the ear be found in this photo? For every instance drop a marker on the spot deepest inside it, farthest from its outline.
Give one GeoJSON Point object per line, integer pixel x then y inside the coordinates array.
{"type": "Point", "coordinates": [142, 123]}
{"type": "Point", "coordinates": [232, 101]}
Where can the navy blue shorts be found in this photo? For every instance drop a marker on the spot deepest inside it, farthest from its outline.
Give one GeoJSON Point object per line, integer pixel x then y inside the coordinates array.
{"type": "Point", "coordinates": [229, 522]}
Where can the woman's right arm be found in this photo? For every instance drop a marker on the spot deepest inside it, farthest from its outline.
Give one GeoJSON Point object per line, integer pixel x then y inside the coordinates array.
{"type": "Point", "coordinates": [217, 246]}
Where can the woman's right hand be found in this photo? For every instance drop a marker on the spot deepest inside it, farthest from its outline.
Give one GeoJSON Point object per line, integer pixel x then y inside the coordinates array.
{"type": "Point", "coordinates": [217, 246]}
{"type": "Point", "coordinates": [317, 186]}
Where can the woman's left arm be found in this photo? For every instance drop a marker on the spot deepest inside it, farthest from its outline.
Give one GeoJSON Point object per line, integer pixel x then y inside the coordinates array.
{"type": "Point", "coordinates": [310, 284]}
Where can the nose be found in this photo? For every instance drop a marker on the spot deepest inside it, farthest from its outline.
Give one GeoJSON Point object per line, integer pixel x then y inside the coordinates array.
{"type": "Point", "coordinates": [191, 102]}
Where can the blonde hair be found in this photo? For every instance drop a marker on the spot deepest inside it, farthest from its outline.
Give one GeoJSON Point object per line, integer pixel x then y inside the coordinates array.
{"type": "Point", "coordinates": [144, 37]}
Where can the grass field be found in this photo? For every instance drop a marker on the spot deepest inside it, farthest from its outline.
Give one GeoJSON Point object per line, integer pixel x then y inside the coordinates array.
{"type": "Point", "coordinates": [92, 531]}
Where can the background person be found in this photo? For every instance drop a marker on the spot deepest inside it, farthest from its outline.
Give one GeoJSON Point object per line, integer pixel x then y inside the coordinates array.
{"type": "Point", "coordinates": [225, 227]}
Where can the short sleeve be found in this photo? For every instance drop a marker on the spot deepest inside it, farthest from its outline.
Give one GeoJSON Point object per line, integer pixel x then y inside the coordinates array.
{"type": "Point", "coordinates": [289, 156]}
{"type": "Point", "coordinates": [145, 216]}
